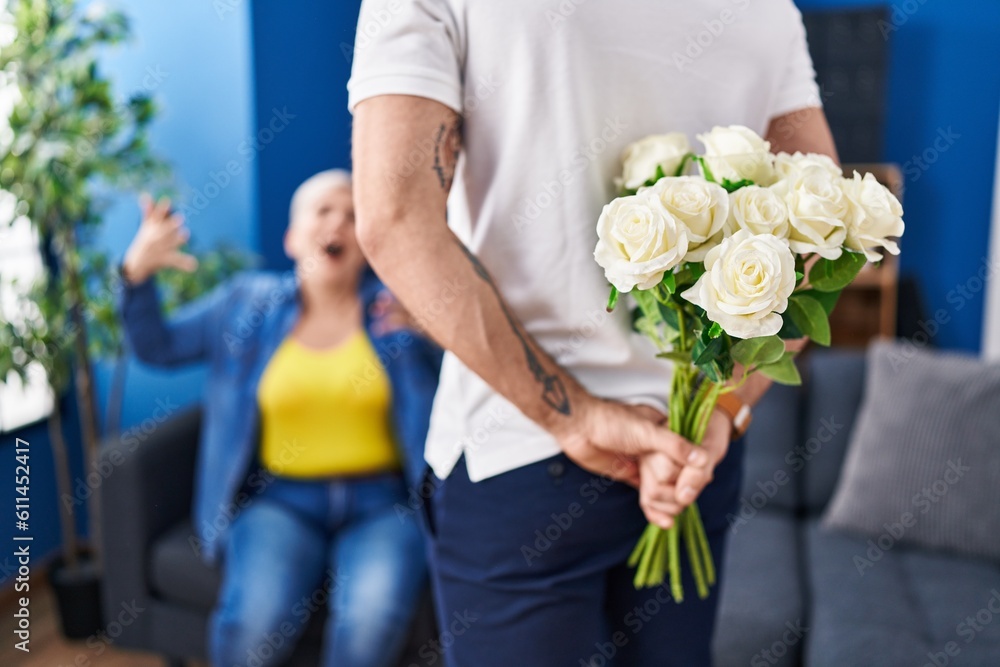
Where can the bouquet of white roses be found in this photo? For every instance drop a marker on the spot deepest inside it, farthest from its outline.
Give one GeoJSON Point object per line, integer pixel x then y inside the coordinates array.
{"type": "Point", "coordinates": [724, 265]}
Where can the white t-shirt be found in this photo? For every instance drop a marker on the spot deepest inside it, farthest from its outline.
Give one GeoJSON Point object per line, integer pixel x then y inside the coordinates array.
{"type": "Point", "coordinates": [551, 92]}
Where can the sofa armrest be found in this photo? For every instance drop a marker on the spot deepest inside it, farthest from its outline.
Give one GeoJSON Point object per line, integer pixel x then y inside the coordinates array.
{"type": "Point", "coordinates": [147, 490]}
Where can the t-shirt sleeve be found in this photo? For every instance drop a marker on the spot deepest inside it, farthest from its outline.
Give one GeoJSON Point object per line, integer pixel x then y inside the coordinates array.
{"type": "Point", "coordinates": [797, 88]}
{"type": "Point", "coordinates": [407, 47]}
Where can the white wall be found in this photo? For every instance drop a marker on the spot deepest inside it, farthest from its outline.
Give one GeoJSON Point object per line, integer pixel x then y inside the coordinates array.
{"type": "Point", "coordinates": [991, 320]}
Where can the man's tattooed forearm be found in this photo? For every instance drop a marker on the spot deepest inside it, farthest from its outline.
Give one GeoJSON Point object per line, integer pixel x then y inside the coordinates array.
{"type": "Point", "coordinates": [553, 392]}
{"type": "Point", "coordinates": [447, 146]}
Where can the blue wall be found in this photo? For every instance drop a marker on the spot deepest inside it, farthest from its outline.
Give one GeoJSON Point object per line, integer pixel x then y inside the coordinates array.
{"type": "Point", "coordinates": [944, 81]}
{"type": "Point", "coordinates": [300, 65]}
{"type": "Point", "coordinates": [194, 57]}
{"type": "Point", "coordinates": [196, 62]}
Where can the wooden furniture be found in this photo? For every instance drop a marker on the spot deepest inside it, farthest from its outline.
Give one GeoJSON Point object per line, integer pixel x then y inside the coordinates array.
{"type": "Point", "coordinates": [867, 308]}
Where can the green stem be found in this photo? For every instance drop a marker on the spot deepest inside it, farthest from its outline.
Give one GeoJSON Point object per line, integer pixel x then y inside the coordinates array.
{"type": "Point", "coordinates": [705, 413]}
{"type": "Point", "coordinates": [696, 403]}
{"type": "Point", "coordinates": [674, 556]}
{"type": "Point", "coordinates": [690, 525]}
{"type": "Point", "coordinates": [702, 540]}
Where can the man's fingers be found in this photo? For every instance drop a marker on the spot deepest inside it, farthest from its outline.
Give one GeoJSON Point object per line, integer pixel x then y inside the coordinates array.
{"type": "Point", "coordinates": [610, 464]}
{"type": "Point", "coordinates": [650, 413]}
{"type": "Point", "coordinates": [656, 514]}
{"type": "Point", "coordinates": [659, 467]}
{"type": "Point", "coordinates": [679, 450]}
{"type": "Point", "coordinates": [715, 444]}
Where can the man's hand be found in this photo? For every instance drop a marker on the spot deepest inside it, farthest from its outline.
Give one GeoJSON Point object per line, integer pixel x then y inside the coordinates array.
{"type": "Point", "coordinates": [157, 243]}
{"type": "Point", "coordinates": [667, 487]}
{"type": "Point", "coordinates": [610, 437]}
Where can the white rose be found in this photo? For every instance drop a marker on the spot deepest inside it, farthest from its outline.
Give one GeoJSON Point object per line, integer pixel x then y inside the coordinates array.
{"type": "Point", "coordinates": [758, 210]}
{"type": "Point", "coordinates": [747, 281]}
{"type": "Point", "coordinates": [640, 159]}
{"type": "Point", "coordinates": [791, 165]}
{"type": "Point", "coordinates": [737, 152]}
{"type": "Point", "coordinates": [638, 241]}
{"type": "Point", "coordinates": [817, 209]}
{"type": "Point", "coordinates": [701, 206]}
{"type": "Point", "coordinates": [875, 216]}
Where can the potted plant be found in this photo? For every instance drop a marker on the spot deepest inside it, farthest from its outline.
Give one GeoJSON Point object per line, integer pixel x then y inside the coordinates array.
{"type": "Point", "coordinates": [68, 148]}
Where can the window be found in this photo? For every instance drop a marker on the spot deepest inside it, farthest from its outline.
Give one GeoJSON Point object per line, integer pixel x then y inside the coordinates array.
{"type": "Point", "coordinates": [19, 260]}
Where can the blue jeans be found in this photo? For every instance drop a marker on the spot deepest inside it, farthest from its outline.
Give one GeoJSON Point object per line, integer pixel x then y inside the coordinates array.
{"type": "Point", "coordinates": [300, 546]}
{"type": "Point", "coordinates": [529, 569]}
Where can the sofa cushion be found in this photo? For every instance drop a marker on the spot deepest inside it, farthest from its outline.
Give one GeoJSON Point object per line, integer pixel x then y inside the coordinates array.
{"type": "Point", "coordinates": [904, 606]}
{"type": "Point", "coordinates": [769, 472]}
{"type": "Point", "coordinates": [834, 383]}
{"type": "Point", "coordinates": [761, 596]}
{"type": "Point", "coordinates": [178, 574]}
{"type": "Point", "coordinates": [923, 466]}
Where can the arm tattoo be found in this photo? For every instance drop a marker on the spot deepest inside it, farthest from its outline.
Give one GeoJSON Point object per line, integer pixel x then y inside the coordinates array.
{"type": "Point", "coordinates": [447, 146]}
{"type": "Point", "coordinates": [553, 391]}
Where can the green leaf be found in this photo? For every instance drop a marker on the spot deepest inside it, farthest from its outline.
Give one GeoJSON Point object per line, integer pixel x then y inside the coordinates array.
{"type": "Point", "coordinates": [826, 299]}
{"type": "Point", "coordinates": [788, 329]}
{"type": "Point", "coordinates": [762, 350]}
{"type": "Point", "coordinates": [669, 282]}
{"type": "Point", "coordinates": [799, 276]}
{"type": "Point", "coordinates": [782, 371]}
{"type": "Point", "coordinates": [709, 352]}
{"type": "Point", "coordinates": [675, 355]}
{"type": "Point", "coordinates": [656, 176]}
{"type": "Point", "coordinates": [833, 275]}
{"type": "Point", "coordinates": [612, 299]}
{"type": "Point", "coordinates": [810, 317]}
{"type": "Point", "coordinates": [683, 164]}
{"type": "Point", "coordinates": [705, 170]}
{"type": "Point", "coordinates": [715, 330]}
{"type": "Point", "coordinates": [733, 186]}
{"type": "Point", "coordinates": [669, 316]}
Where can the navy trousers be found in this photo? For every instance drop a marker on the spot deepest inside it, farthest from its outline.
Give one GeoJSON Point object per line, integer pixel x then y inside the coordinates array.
{"type": "Point", "coordinates": [529, 570]}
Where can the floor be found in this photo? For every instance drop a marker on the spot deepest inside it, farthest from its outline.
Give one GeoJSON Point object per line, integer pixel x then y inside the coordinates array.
{"type": "Point", "coordinates": [50, 649]}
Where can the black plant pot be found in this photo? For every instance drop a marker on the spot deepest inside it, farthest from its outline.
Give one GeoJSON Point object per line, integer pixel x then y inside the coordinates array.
{"type": "Point", "coordinates": [78, 596]}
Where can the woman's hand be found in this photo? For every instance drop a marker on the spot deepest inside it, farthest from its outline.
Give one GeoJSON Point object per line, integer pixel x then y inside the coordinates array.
{"type": "Point", "coordinates": [157, 243]}
{"type": "Point", "coordinates": [390, 315]}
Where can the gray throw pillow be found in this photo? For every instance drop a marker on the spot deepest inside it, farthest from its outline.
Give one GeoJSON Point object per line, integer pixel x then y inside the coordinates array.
{"type": "Point", "coordinates": [923, 464]}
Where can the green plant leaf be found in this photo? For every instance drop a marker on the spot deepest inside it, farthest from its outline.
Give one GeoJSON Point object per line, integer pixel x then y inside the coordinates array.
{"type": "Point", "coordinates": [810, 318]}
{"type": "Point", "coordinates": [826, 299]}
{"type": "Point", "coordinates": [675, 355]}
{"type": "Point", "coordinates": [669, 316]}
{"type": "Point", "coordinates": [782, 371]}
{"type": "Point", "coordinates": [833, 275]}
{"type": "Point", "coordinates": [715, 330]}
{"type": "Point", "coordinates": [669, 282]}
{"type": "Point", "coordinates": [762, 350]}
{"type": "Point", "coordinates": [788, 329]}
{"type": "Point", "coordinates": [733, 186]}
{"type": "Point", "coordinates": [708, 353]}
{"type": "Point", "coordinates": [683, 164]}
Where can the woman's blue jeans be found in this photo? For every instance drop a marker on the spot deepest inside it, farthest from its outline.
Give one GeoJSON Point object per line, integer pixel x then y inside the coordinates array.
{"type": "Point", "coordinates": [300, 546]}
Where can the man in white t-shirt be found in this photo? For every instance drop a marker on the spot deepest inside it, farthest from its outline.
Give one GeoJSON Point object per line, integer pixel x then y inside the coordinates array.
{"type": "Point", "coordinates": [486, 138]}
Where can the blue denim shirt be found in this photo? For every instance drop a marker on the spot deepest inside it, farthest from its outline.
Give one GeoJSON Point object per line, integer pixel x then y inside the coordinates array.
{"type": "Point", "coordinates": [235, 330]}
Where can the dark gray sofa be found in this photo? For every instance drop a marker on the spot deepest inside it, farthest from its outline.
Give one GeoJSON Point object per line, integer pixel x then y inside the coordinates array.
{"type": "Point", "coordinates": [793, 593]}
{"type": "Point", "coordinates": [150, 565]}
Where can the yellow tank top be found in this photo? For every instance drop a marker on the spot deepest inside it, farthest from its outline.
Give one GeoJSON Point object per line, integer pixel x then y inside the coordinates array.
{"type": "Point", "coordinates": [325, 413]}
